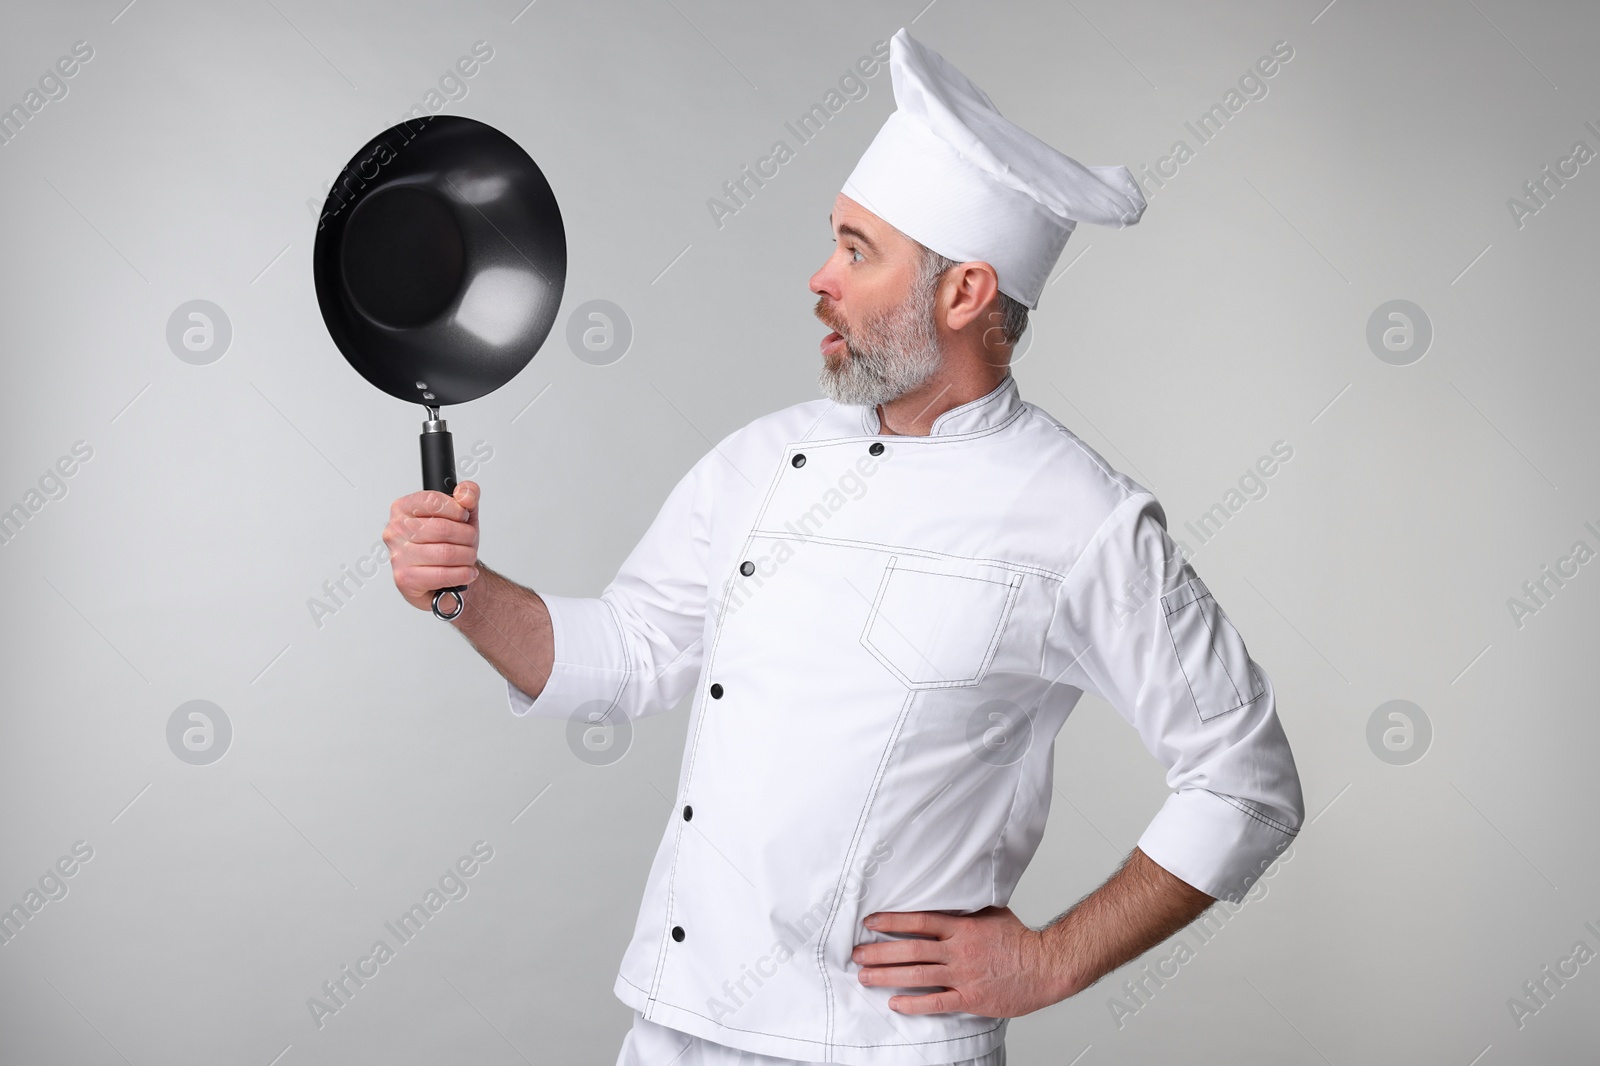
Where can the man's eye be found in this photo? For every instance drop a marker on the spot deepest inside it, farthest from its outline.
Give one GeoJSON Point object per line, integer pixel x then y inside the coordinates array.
{"type": "Point", "coordinates": [855, 251]}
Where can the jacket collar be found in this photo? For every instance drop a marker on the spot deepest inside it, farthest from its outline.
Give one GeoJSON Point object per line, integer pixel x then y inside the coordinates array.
{"type": "Point", "coordinates": [986, 412]}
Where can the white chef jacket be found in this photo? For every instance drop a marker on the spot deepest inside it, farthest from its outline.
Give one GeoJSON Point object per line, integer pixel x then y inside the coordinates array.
{"type": "Point", "coordinates": [883, 636]}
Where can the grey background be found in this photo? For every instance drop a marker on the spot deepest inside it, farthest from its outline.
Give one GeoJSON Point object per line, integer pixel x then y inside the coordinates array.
{"type": "Point", "coordinates": [370, 752]}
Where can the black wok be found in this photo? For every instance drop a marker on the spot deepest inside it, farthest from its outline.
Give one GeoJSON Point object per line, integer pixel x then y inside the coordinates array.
{"type": "Point", "coordinates": [440, 261]}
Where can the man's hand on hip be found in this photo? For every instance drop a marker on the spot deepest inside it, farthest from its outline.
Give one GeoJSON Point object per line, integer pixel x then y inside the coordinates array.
{"type": "Point", "coordinates": [989, 963]}
{"type": "Point", "coordinates": [992, 965]}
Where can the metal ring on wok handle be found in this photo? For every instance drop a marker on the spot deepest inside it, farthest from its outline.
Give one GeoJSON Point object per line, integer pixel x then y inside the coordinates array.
{"type": "Point", "coordinates": [461, 604]}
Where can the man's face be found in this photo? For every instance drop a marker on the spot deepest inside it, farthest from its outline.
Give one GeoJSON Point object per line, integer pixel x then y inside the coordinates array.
{"type": "Point", "coordinates": [885, 341]}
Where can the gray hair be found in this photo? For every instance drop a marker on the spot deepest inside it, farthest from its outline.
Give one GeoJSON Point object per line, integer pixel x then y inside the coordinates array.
{"type": "Point", "coordinates": [1014, 314]}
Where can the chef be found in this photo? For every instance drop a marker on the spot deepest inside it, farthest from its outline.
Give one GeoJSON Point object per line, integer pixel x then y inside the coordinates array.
{"type": "Point", "coordinates": [882, 605]}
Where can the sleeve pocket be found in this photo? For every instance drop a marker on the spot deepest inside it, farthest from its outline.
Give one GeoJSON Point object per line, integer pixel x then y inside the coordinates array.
{"type": "Point", "coordinates": [1210, 652]}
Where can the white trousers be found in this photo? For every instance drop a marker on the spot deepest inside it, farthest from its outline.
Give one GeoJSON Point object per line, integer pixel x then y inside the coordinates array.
{"type": "Point", "coordinates": [652, 1044]}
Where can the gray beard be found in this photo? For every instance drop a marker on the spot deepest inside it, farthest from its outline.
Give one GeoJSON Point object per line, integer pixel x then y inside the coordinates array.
{"type": "Point", "coordinates": [887, 356]}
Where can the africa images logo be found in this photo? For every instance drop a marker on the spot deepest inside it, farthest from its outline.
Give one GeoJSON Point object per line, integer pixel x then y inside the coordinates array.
{"type": "Point", "coordinates": [452, 887]}
{"type": "Point", "coordinates": [52, 87]}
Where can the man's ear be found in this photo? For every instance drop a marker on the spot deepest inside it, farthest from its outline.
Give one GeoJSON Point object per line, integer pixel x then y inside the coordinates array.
{"type": "Point", "coordinates": [974, 287]}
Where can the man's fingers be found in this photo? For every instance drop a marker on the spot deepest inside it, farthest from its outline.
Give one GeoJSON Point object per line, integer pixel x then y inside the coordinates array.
{"type": "Point", "coordinates": [466, 494]}
{"type": "Point", "coordinates": [889, 952]}
{"type": "Point", "coordinates": [907, 976]}
{"type": "Point", "coordinates": [928, 923]}
{"type": "Point", "coordinates": [933, 1003]}
{"type": "Point", "coordinates": [422, 555]}
{"type": "Point", "coordinates": [441, 577]}
{"type": "Point", "coordinates": [429, 503]}
{"type": "Point", "coordinates": [430, 531]}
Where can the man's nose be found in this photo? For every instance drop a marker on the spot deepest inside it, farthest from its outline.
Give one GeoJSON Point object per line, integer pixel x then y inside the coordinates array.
{"type": "Point", "coordinates": [822, 283]}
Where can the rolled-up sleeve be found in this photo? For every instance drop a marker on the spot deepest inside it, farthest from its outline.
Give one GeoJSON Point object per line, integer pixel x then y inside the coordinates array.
{"type": "Point", "coordinates": [636, 649]}
{"type": "Point", "coordinates": [1135, 625]}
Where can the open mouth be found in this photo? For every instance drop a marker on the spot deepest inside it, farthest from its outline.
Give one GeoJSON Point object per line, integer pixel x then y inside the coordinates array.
{"type": "Point", "coordinates": [832, 343]}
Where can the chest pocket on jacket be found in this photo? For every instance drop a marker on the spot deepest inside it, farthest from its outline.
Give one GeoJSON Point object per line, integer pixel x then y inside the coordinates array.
{"type": "Point", "coordinates": [937, 624]}
{"type": "Point", "coordinates": [1210, 651]}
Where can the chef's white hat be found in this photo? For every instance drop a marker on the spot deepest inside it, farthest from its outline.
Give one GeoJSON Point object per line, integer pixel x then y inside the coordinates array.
{"type": "Point", "coordinates": [947, 170]}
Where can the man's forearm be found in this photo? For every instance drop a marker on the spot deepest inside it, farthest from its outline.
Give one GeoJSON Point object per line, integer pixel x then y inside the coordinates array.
{"type": "Point", "coordinates": [1137, 908]}
{"type": "Point", "coordinates": [509, 625]}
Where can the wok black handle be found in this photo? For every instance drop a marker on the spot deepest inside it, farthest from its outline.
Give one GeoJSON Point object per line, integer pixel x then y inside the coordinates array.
{"type": "Point", "coordinates": [439, 475]}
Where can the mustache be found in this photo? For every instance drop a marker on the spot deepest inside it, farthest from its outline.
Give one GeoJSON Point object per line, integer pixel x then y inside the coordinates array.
{"type": "Point", "coordinates": [825, 313]}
